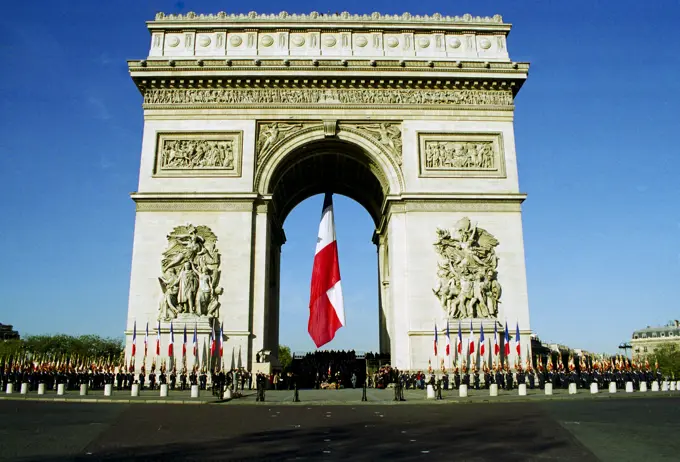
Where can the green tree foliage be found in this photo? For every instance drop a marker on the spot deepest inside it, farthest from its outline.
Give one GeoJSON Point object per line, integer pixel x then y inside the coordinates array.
{"type": "Point", "coordinates": [668, 356]}
{"type": "Point", "coordinates": [285, 357]}
{"type": "Point", "coordinates": [63, 346]}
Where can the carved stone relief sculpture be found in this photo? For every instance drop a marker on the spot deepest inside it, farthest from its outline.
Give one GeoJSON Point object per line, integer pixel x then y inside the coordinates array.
{"type": "Point", "coordinates": [386, 134]}
{"type": "Point", "coordinates": [197, 154]}
{"type": "Point", "coordinates": [190, 274]}
{"type": "Point", "coordinates": [466, 275]}
{"type": "Point", "coordinates": [461, 155]}
{"type": "Point", "coordinates": [271, 134]}
{"type": "Point", "coordinates": [312, 96]}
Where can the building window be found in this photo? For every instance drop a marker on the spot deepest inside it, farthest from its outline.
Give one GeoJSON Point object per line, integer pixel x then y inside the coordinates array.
{"type": "Point", "coordinates": [644, 349]}
{"type": "Point", "coordinates": [635, 336]}
{"type": "Point", "coordinates": [637, 350]}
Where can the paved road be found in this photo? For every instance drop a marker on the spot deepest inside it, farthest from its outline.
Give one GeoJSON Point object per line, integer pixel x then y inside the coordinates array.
{"type": "Point", "coordinates": [617, 429]}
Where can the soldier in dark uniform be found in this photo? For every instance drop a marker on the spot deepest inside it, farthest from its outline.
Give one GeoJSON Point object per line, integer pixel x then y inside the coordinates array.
{"type": "Point", "coordinates": [162, 379]}
{"type": "Point", "coordinates": [508, 378]}
{"type": "Point", "coordinates": [203, 380]}
{"type": "Point", "coordinates": [173, 378]}
{"type": "Point", "coordinates": [193, 378]}
{"type": "Point", "coordinates": [531, 376]}
{"type": "Point", "coordinates": [499, 379]}
{"type": "Point", "coordinates": [521, 376]}
{"type": "Point", "coordinates": [456, 378]}
{"type": "Point", "coordinates": [487, 377]}
{"type": "Point", "coordinates": [445, 380]}
{"type": "Point", "coordinates": [475, 377]}
{"type": "Point", "coordinates": [183, 380]}
{"type": "Point", "coordinates": [152, 379]}
{"type": "Point", "coordinates": [142, 378]}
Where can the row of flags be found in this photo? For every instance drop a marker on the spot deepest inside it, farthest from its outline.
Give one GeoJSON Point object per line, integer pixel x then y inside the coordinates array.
{"type": "Point", "coordinates": [482, 343]}
{"type": "Point", "coordinates": [216, 343]}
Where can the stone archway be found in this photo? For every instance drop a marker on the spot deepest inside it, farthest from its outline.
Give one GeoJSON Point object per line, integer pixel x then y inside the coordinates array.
{"type": "Point", "coordinates": [342, 158]}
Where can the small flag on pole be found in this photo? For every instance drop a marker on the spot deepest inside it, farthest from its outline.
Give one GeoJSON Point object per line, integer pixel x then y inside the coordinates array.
{"type": "Point", "coordinates": [448, 340]}
{"type": "Point", "coordinates": [146, 339]}
{"type": "Point", "coordinates": [482, 347]}
{"type": "Point", "coordinates": [158, 339]}
{"type": "Point", "coordinates": [195, 341]}
{"type": "Point", "coordinates": [212, 342]}
{"type": "Point", "coordinates": [460, 340]}
{"type": "Point", "coordinates": [221, 339]}
{"type": "Point", "coordinates": [134, 339]}
{"type": "Point", "coordinates": [184, 342]}
{"type": "Point", "coordinates": [496, 346]}
{"type": "Point", "coordinates": [507, 340]}
{"type": "Point", "coordinates": [471, 341]}
{"type": "Point", "coordinates": [435, 339]}
{"type": "Point", "coordinates": [518, 346]}
{"type": "Point", "coordinates": [171, 345]}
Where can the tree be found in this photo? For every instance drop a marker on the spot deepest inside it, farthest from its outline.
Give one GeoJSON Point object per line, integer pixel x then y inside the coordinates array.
{"type": "Point", "coordinates": [668, 355]}
{"type": "Point", "coordinates": [285, 357]}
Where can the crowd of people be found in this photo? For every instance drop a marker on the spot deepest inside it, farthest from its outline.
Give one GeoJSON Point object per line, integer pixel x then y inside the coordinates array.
{"type": "Point", "coordinates": [334, 369]}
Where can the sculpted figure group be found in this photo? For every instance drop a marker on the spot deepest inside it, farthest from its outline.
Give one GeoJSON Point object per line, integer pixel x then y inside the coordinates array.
{"type": "Point", "coordinates": [445, 155]}
{"type": "Point", "coordinates": [467, 286]}
{"type": "Point", "coordinates": [190, 268]}
{"type": "Point", "coordinates": [197, 154]}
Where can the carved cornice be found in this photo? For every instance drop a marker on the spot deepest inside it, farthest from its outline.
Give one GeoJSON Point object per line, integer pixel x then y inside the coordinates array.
{"type": "Point", "coordinates": [192, 206]}
{"type": "Point", "coordinates": [321, 18]}
{"type": "Point", "coordinates": [458, 203]}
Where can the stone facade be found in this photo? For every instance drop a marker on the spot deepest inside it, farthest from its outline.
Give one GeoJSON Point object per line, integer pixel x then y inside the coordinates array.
{"type": "Point", "coordinates": [646, 340]}
{"type": "Point", "coordinates": [415, 112]}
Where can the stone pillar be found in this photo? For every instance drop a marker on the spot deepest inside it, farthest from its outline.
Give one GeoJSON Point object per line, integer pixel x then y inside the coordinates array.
{"type": "Point", "coordinates": [548, 389]}
{"type": "Point", "coordinates": [522, 389]}
{"type": "Point", "coordinates": [83, 389]}
{"type": "Point", "coordinates": [493, 389]}
{"type": "Point", "coordinates": [41, 388]}
{"type": "Point", "coordinates": [643, 386]}
{"type": "Point", "coordinates": [612, 387]}
{"type": "Point", "coordinates": [60, 389]}
{"type": "Point", "coordinates": [593, 388]}
{"type": "Point", "coordinates": [655, 386]}
{"type": "Point", "coordinates": [398, 292]}
{"type": "Point", "coordinates": [463, 391]}
{"type": "Point", "coordinates": [107, 389]}
{"type": "Point", "coordinates": [194, 391]}
{"type": "Point", "coordinates": [10, 388]}
{"type": "Point", "coordinates": [629, 387]}
{"type": "Point", "coordinates": [430, 392]}
{"type": "Point", "coordinates": [572, 389]}
{"type": "Point", "coordinates": [134, 391]}
{"type": "Point", "coordinates": [164, 390]}
{"type": "Point", "coordinates": [260, 285]}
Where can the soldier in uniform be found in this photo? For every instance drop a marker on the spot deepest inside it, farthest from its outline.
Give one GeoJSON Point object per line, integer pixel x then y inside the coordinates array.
{"type": "Point", "coordinates": [142, 377]}
{"type": "Point", "coordinates": [203, 380]}
{"type": "Point", "coordinates": [152, 378]}
{"type": "Point", "coordinates": [475, 377]}
{"type": "Point", "coordinates": [173, 378]}
{"type": "Point", "coordinates": [456, 378]}
{"type": "Point", "coordinates": [183, 379]}
{"type": "Point", "coordinates": [499, 379]}
{"type": "Point", "coordinates": [508, 378]}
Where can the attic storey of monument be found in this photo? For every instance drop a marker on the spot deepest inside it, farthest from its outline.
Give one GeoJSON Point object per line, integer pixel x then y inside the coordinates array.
{"type": "Point", "coordinates": [246, 116]}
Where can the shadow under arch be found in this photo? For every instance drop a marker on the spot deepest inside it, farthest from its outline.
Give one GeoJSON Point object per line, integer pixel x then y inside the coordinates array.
{"type": "Point", "coordinates": [312, 163]}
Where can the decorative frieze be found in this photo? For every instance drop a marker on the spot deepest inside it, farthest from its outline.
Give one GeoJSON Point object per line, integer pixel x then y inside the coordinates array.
{"type": "Point", "coordinates": [272, 134]}
{"type": "Point", "coordinates": [461, 155]}
{"type": "Point", "coordinates": [330, 96]}
{"type": "Point", "coordinates": [198, 154]}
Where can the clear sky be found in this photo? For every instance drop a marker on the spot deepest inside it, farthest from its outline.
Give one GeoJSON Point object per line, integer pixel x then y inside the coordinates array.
{"type": "Point", "coordinates": [597, 139]}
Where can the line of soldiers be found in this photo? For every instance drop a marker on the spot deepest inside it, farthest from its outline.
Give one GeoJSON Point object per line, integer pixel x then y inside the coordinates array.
{"type": "Point", "coordinates": [620, 371]}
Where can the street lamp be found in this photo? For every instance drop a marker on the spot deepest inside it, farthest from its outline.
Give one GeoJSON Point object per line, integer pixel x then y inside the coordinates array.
{"type": "Point", "coordinates": [625, 347]}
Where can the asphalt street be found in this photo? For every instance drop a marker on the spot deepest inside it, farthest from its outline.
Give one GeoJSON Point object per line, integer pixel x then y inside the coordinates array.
{"type": "Point", "coordinates": [580, 429]}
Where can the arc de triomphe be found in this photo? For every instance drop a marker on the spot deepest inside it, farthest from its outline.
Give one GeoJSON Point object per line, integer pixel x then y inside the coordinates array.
{"type": "Point", "coordinates": [245, 116]}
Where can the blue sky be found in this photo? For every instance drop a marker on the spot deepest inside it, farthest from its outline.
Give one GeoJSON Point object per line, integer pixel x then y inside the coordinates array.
{"type": "Point", "coordinates": [597, 140]}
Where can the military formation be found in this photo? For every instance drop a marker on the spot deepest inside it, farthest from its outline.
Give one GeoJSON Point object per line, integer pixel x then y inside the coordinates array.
{"type": "Point", "coordinates": [583, 373]}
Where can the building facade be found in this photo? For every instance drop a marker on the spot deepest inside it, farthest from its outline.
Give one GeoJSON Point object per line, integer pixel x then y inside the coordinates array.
{"type": "Point", "coordinates": [646, 340]}
{"type": "Point", "coordinates": [245, 116]}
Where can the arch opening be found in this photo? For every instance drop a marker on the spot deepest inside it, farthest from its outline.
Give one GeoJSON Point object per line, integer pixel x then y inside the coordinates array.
{"type": "Point", "coordinates": [316, 167]}
{"type": "Point", "coordinates": [327, 166]}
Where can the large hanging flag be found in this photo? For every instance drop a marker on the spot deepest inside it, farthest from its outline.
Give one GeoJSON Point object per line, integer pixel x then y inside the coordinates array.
{"type": "Point", "coordinates": [146, 339]}
{"type": "Point", "coordinates": [195, 340]}
{"type": "Point", "coordinates": [158, 339]}
{"type": "Point", "coordinates": [448, 340]}
{"type": "Point", "coordinates": [471, 341]}
{"type": "Point", "coordinates": [134, 339]}
{"type": "Point", "coordinates": [435, 339]}
{"type": "Point", "coordinates": [496, 346]}
{"type": "Point", "coordinates": [518, 347]}
{"type": "Point", "coordinates": [171, 344]}
{"type": "Point", "coordinates": [507, 340]}
{"type": "Point", "coordinates": [184, 342]}
{"type": "Point", "coordinates": [326, 307]}
{"type": "Point", "coordinates": [482, 347]}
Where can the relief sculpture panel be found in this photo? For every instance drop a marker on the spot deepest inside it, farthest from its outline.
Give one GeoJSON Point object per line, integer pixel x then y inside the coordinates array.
{"type": "Point", "coordinates": [198, 154]}
{"type": "Point", "coordinates": [461, 155]}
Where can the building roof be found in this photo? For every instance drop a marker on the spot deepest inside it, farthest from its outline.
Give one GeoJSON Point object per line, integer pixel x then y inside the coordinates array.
{"type": "Point", "coordinates": [675, 330]}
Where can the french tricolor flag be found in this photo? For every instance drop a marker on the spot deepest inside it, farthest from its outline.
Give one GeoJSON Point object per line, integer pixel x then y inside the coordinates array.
{"type": "Point", "coordinates": [435, 339]}
{"type": "Point", "coordinates": [471, 341]}
{"type": "Point", "coordinates": [184, 342]}
{"type": "Point", "coordinates": [146, 340]}
{"type": "Point", "coordinates": [496, 346]}
{"type": "Point", "coordinates": [134, 339]}
{"type": "Point", "coordinates": [507, 340]}
{"type": "Point", "coordinates": [482, 347]}
{"type": "Point", "coordinates": [518, 347]}
{"type": "Point", "coordinates": [171, 345]}
{"type": "Point", "coordinates": [448, 340]}
{"type": "Point", "coordinates": [195, 340]}
{"type": "Point", "coordinates": [326, 307]}
{"type": "Point", "coordinates": [460, 340]}
{"type": "Point", "coordinates": [158, 339]}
